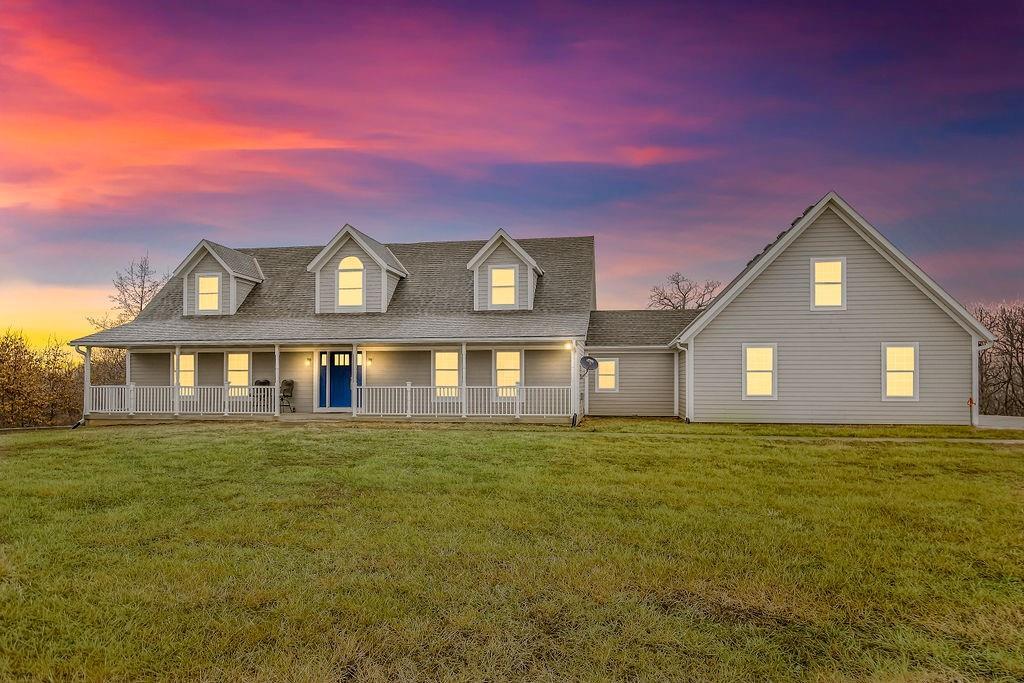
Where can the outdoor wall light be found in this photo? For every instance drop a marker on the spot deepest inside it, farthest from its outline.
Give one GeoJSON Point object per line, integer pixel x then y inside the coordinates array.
{"type": "Point", "coordinates": [309, 361]}
{"type": "Point", "coordinates": [568, 346]}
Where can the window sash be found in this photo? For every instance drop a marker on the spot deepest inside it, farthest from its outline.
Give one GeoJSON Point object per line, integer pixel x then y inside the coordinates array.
{"type": "Point", "coordinates": [607, 374]}
{"type": "Point", "coordinates": [186, 372]}
{"type": "Point", "coordinates": [828, 279]}
{"type": "Point", "coordinates": [351, 282]}
{"type": "Point", "coordinates": [238, 369]}
{"type": "Point", "coordinates": [503, 286]}
{"type": "Point", "coordinates": [759, 368]}
{"type": "Point", "coordinates": [208, 292]}
{"type": "Point", "coordinates": [508, 374]}
{"type": "Point", "coordinates": [901, 368]}
{"type": "Point", "coordinates": [446, 374]}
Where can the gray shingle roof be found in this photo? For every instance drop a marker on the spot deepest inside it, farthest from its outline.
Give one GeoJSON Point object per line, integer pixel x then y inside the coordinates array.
{"type": "Point", "coordinates": [434, 301]}
{"type": "Point", "coordinates": [238, 262]}
{"type": "Point", "coordinates": [382, 251]}
{"type": "Point", "coordinates": [645, 327]}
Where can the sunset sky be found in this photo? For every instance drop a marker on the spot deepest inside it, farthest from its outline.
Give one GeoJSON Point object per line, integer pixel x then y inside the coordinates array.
{"type": "Point", "coordinates": [683, 137]}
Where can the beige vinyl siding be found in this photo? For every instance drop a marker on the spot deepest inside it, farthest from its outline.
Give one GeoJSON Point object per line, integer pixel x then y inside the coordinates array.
{"type": "Point", "coordinates": [242, 289]}
{"type": "Point", "coordinates": [395, 368]}
{"type": "Point", "coordinates": [502, 256]}
{"type": "Point", "coordinates": [479, 371]}
{"type": "Point", "coordinates": [829, 363]}
{"type": "Point", "coordinates": [210, 369]}
{"type": "Point", "coordinates": [262, 366]}
{"type": "Point", "coordinates": [546, 368]}
{"type": "Point", "coordinates": [646, 385]}
{"type": "Point", "coordinates": [293, 367]}
{"type": "Point", "coordinates": [392, 284]}
{"type": "Point", "coordinates": [329, 279]}
{"type": "Point", "coordinates": [207, 264]}
{"type": "Point", "coordinates": [151, 369]}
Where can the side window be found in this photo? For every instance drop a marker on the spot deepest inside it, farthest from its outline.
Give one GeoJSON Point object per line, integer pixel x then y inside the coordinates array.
{"type": "Point", "coordinates": [607, 374]}
{"type": "Point", "coordinates": [446, 374]}
{"type": "Point", "coordinates": [186, 373]}
{"type": "Point", "coordinates": [503, 287]}
{"type": "Point", "coordinates": [828, 284]}
{"type": "Point", "coordinates": [238, 374]}
{"type": "Point", "coordinates": [208, 293]}
{"type": "Point", "coordinates": [900, 371]}
{"type": "Point", "coordinates": [759, 371]}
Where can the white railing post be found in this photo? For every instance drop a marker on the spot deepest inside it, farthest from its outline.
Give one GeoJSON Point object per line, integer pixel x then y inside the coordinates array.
{"type": "Point", "coordinates": [408, 399]}
{"type": "Point", "coordinates": [225, 391]}
{"type": "Point", "coordinates": [462, 380]}
{"type": "Point", "coordinates": [130, 389]}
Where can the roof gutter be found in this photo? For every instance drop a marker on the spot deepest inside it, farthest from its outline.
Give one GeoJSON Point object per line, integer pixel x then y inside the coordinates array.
{"type": "Point", "coordinates": [343, 342]}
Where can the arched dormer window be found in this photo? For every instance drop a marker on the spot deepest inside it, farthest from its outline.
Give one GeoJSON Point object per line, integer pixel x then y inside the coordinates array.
{"type": "Point", "coordinates": [351, 282]}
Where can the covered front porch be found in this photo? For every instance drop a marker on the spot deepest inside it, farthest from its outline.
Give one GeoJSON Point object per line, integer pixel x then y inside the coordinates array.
{"type": "Point", "coordinates": [451, 380]}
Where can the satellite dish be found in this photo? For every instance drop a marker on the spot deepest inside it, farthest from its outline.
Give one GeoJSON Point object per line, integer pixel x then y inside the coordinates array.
{"type": "Point", "coordinates": [588, 363]}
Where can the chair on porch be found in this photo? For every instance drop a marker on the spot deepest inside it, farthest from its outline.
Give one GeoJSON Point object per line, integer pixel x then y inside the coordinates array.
{"type": "Point", "coordinates": [287, 390]}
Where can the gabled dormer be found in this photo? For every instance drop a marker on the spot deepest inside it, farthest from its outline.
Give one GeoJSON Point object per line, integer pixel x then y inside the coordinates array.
{"type": "Point", "coordinates": [504, 275]}
{"type": "Point", "coordinates": [216, 279]}
{"type": "Point", "coordinates": [355, 273]}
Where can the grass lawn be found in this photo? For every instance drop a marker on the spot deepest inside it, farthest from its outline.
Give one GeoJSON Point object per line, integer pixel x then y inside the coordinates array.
{"type": "Point", "coordinates": [320, 551]}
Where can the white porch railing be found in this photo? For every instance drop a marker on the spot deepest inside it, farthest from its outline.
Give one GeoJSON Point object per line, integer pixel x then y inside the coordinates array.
{"type": "Point", "coordinates": [463, 401]}
{"type": "Point", "coordinates": [209, 400]}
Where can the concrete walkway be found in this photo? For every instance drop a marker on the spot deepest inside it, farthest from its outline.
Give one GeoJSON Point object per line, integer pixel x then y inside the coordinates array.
{"type": "Point", "coordinates": [1000, 422]}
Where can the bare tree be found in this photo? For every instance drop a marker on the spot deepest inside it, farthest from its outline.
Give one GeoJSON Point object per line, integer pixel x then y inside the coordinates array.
{"type": "Point", "coordinates": [1001, 367]}
{"type": "Point", "coordinates": [681, 293]}
{"type": "Point", "coordinates": [133, 289]}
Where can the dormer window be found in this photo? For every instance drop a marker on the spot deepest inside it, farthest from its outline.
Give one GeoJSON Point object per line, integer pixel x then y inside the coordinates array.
{"type": "Point", "coordinates": [351, 282]}
{"type": "Point", "coordinates": [208, 293]}
{"type": "Point", "coordinates": [503, 286]}
{"type": "Point", "coordinates": [828, 284]}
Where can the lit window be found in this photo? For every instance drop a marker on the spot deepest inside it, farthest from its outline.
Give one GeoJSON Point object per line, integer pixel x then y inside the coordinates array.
{"type": "Point", "coordinates": [607, 374]}
{"type": "Point", "coordinates": [758, 371]}
{"type": "Point", "coordinates": [350, 282]}
{"type": "Point", "coordinates": [503, 286]}
{"type": "Point", "coordinates": [900, 371]}
{"type": "Point", "coordinates": [238, 373]}
{"type": "Point", "coordinates": [507, 372]}
{"type": "Point", "coordinates": [208, 292]}
{"type": "Point", "coordinates": [829, 289]}
{"type": "Point", "coordinates": [446, 373]}
{"type": "Point", "coordinates": [187, 374]}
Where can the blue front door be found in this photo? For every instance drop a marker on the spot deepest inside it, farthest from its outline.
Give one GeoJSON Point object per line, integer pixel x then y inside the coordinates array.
{"type": "Point", "coordinates": [335, 379]}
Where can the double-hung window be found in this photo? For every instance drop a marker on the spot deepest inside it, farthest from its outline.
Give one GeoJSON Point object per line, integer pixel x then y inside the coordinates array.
{"type": "Point", "coordinates": [607, 374]}
{"type": "Point", "coordinates": [828, 284]}
{"type": "Point", "coordinates": [238, 374]}
{"type": "Point", "coordinates": [208, 293]}
{"type": "Point", "coordinates": [503, 286]}
{"type": "Point", "coordinates": [186, 371]}
{"type": "Point", "coordinates": [900, 371]}
{"type": "Point", "coordinates": [760, 365]}
{"type": "Point", "coordinates": [446, 374]}
{"type": "Point", "coordinates": [508, 372]}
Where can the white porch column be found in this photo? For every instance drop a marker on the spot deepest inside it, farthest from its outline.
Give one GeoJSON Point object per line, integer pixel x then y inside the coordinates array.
{"type": "Point", "coordinates": [87, 382]}
{"type": "Point", "coordinates": [463, 391]}
{"type": "Point", "coordinates": [277, 381]}
{"type": "Point", "coordinates": [574, 389]}
{"type": "Point", "coordinates": [174, 379]}
{"type": "Point", "coordinates": [354, 376]}
{"type": "Point", "coordinates": [975, 383]}
{"type": "Point", "coordinates": [128, 388]}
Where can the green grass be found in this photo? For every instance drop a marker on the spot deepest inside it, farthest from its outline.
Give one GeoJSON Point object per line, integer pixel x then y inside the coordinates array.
{"type": "Point", "coordinates": [321, 551]}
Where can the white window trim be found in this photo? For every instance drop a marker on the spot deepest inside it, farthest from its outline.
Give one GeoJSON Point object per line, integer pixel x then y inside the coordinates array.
{"type": "Point", "coordinates": [338, 308]}
{"type": "Point", "coordinates": [845, 274]}
{"type": "Point", "coordinates": [458, 370]}
{"type": "Point", "coordinates": [515, 286]}
{"type": "Point", "coordinates": [220, 297]}
{"type": "Point", "coordinates": [775, 371]}
{"type": "Point", "coordinates": [917, 372]}
{"type": "Point", "coordinates": [494, 372]}
{"type": "Point", "coordinates": [597, 376]}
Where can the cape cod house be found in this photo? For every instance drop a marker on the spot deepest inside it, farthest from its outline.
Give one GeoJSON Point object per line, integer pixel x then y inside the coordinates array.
{"type": "Point", "coordinates": [830, 323]}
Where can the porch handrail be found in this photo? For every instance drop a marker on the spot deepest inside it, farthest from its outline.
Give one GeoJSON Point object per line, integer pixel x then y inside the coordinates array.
{"type": "Point", "coordinates": [407, 400]}
{"type": "Point", "coordinates": [199, 400]}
